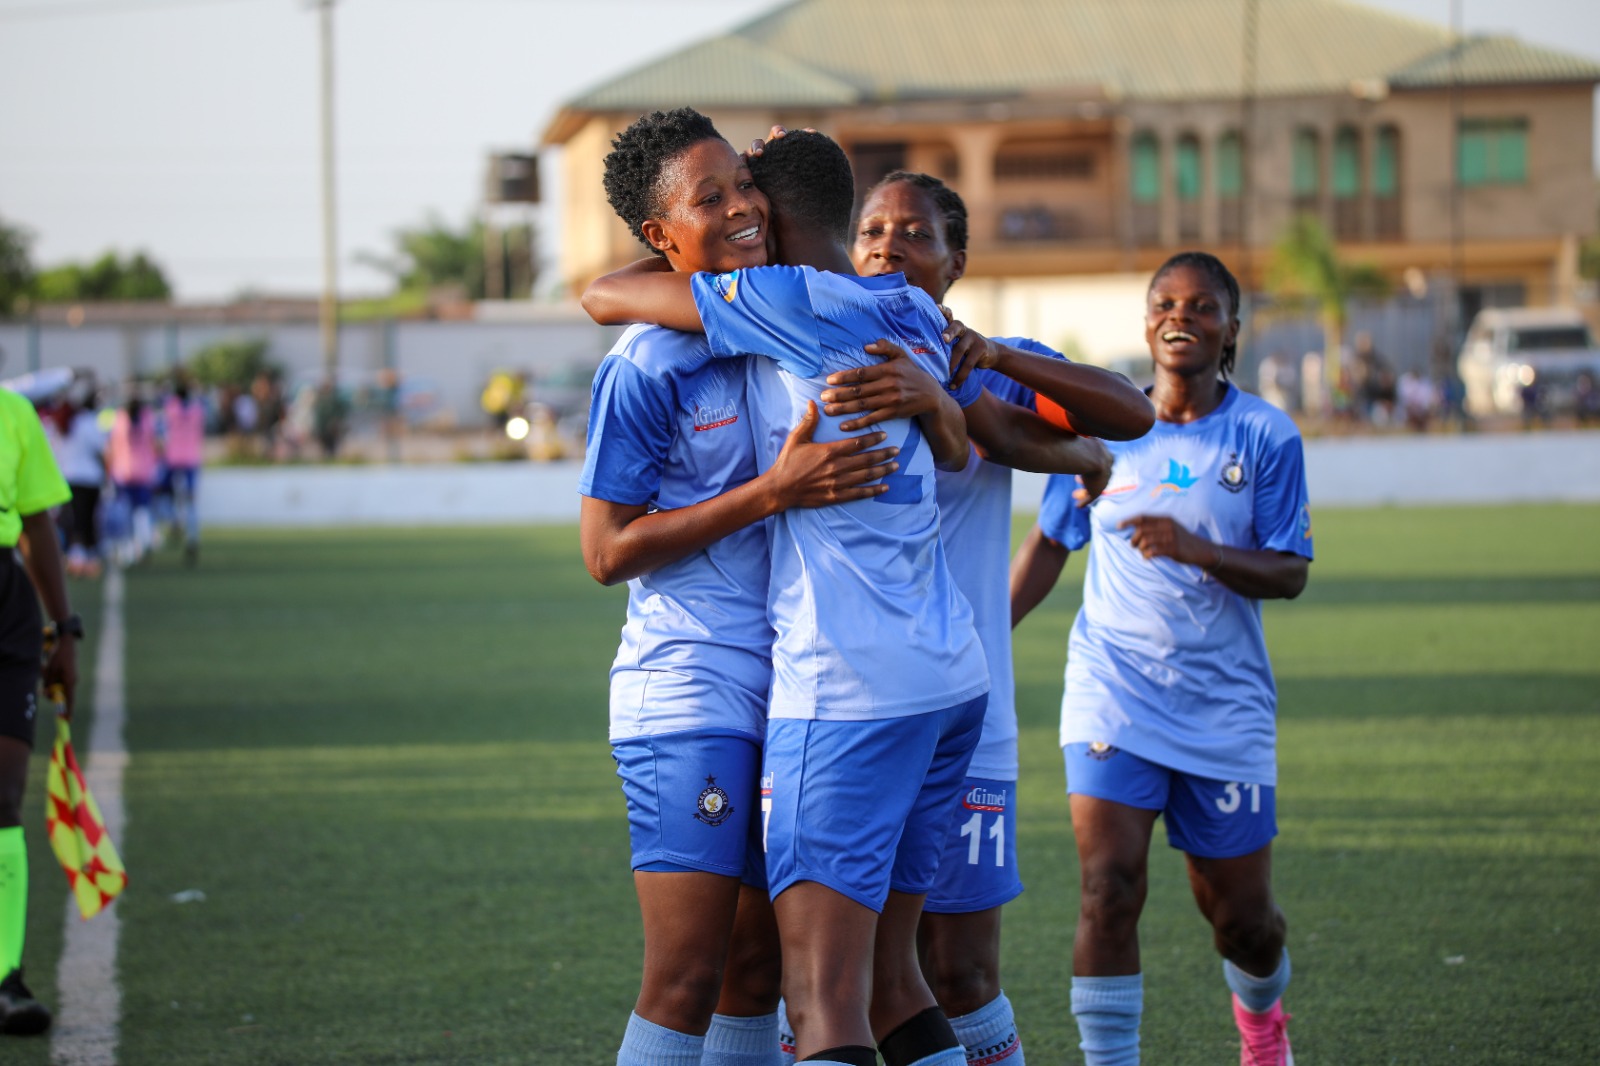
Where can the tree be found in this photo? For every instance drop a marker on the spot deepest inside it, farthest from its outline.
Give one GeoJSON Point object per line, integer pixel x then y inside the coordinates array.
{"type": "Point", "coordinates": [435, 256]}
{"type": "Point", "coordinates": [16, 269]}
{"type": "Point", "coordinates": [107, 278]}
{"type": "Point", "coordinates": [1305, 268]}
{"type": "Point", "coordinates": [233, 363]}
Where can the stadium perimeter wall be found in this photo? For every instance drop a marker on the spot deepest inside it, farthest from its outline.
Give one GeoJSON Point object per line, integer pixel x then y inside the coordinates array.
{"type": "Point", "coordinates": [1346, 472]}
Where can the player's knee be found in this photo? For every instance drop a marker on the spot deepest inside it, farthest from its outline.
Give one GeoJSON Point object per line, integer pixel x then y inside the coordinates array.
{"type": "Point", "coordinates": [963, 990]}
{"type": "Point", "coordinates": [754, 981]}
{"type": "Point", "coordinates": [1112, 899]}
{"type": "Point", "coordinates": [688, 992]}
{"type": "Point", "coordinates": [1249, 932]}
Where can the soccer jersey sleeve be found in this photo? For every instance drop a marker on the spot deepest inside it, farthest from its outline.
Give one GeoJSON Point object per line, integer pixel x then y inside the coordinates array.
{"type": "Point", "coordinates": [763, 311]}
{"type": "Point", "coordinates": [40, 485]}
{"type": "Point", "coordinates": [1282, 504]}
{"type": "Point", "coordinates": [630, 434]}
{"type": "Point", "coordinates": [1060, 517]}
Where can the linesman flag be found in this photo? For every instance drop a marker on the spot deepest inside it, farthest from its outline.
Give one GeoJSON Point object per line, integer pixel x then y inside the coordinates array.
{"type": "Point", "coordinates": [77, 834]}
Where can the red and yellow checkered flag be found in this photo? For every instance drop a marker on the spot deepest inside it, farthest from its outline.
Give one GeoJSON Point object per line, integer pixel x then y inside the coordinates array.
{"type": "Point", "coordinates": [77, 835]}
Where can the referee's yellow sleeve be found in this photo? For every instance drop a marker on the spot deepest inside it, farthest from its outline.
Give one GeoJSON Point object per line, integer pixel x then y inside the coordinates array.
{"type": "Point", "coordinates": [39, 484]}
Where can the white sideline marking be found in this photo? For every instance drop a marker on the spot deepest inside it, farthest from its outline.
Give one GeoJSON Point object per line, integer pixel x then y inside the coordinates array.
{"type": "Point", "coordinates": [90, 1002]}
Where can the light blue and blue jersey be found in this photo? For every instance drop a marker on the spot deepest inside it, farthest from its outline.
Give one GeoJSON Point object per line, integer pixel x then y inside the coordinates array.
{"type": "Point", "coordinates": [869, 621]}
{"type": "Point", "coordinates": [669, 427]}
{"type": "Point", "coordinates": [975, 519]}
{"type": "Point", "coordinates": [1164, 661]}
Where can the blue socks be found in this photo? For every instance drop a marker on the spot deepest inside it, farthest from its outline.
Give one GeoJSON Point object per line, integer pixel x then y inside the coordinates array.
{"type": "Point", "coordinates": [742, 1041]}
{"type": "Point", "coordinates": [648, 1044]}
{"type": "Point", "coordinates": [1108, 1011]}
{"type": "Point", "coordinates": [785, 1037]}
{"type": "Point", "coordinates": [1258, 994]}
{"type": "Point", "coordinates": [989, 1034]}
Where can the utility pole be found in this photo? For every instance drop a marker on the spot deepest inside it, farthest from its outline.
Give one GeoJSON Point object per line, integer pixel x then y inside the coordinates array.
{"type": "Point", "coordinates": [1456, 219]}
{"type": "Point", "coordinates": [328, 316]}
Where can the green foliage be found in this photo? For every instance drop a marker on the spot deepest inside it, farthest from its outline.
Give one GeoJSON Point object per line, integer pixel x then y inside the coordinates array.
{"type": "Point", "coordinates": [16, 269]}
{"type": "Point", "coordinates": [108, 278]}
{"type": "Point", "coordinates": [236, 363]}
{"type": "Point", "coordinates": [436, 256]}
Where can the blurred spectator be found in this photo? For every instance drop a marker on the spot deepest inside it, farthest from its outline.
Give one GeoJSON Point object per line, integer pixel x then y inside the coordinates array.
{"type": "Point", "coordinates": [1586, 398]}
{"type": "Point", "coordinates": [504, 396]}
{"type": "Point", "coordinates": [387, 399]}
{"type": "Point", "coordinates": [1418, 400]}
{"type": "Point", "coordinates": [1372, 383]}
{"type": "Point", "coordinates": [1277, 381]}
{"type": "Point", "coordinates": [329, 415]}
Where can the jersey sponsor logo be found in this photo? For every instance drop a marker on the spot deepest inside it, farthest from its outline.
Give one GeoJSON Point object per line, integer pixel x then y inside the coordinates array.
{"type": "Point", "coordinates": [766, 784]}
{"type": "Point", "coordinates": [713, 806]}
{"type": "Point", "coordinates": [715, 417]}
{"type": "Point", "coordinates": [1233, 477]}
{"type": "Point", "coordinates": [1178, 479]}
{"type": "Point", "coordinates": [1100, 751]}
{"type": "Point", "coordinates": [981, 799]}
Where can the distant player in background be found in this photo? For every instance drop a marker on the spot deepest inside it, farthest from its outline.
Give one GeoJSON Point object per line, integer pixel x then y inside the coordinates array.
{"type": "Point", "coordinates": [675, 503]}
{"type": "Point", "coordinates": [182, 450]}
{"type": "Point", "coordinates": [30, 485]}
{"type": "Point", "coordinates": [916, 225]}
{"type": "Point", "coordinates": [1170, 705]}
{"type": "Point", "coordinates": [132, 459]}
{"type": "Point", "coordinates": [80, 451]}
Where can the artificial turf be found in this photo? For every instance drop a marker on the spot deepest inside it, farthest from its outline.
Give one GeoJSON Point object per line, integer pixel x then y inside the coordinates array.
{"type": "Point", "coordinates": [381, 757]}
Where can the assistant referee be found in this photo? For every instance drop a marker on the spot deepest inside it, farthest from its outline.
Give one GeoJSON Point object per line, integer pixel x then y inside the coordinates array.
{"type": "Point", "coordinates": [30, 485]}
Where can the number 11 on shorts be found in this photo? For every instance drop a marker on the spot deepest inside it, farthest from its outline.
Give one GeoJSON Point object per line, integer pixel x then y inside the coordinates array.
{"type": "Point", "coordinates": [973, 828]}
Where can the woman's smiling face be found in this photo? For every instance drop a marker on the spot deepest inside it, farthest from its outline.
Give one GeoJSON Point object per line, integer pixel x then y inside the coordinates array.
{"type": "Point", "coordinates": [712, 215]}
{"type": "Point", "coordinates": [901, 230]}
{"type": "Point", "coordinates": [1189, 319]}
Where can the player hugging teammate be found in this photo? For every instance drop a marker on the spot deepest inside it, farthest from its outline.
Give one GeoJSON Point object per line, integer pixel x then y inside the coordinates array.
{"type": "Point", "coordinates": [818, 627]}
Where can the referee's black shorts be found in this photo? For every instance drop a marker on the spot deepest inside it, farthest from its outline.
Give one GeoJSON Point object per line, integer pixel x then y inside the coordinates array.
{"type": "Point", "coordinates": [21, 645]}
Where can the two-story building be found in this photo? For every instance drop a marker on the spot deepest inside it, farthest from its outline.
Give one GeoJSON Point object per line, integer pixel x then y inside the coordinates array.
{"type": "Point", "coordinates": [1094, 137]}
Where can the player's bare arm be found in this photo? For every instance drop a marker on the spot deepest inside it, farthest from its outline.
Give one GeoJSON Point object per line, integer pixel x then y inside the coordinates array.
{"type": "Point", "coordinates": [622, 541]}
{"type": "Point", "coordinates": [1035, 569]}
{"type": "Point", "coordinates": [1261, 574]}
{"type": "Point", "coordinates": [646, 290]}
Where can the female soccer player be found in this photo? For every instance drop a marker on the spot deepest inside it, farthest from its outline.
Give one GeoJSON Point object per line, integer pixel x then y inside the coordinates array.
{"type": "Point", "coordinates": [1170, 704]}
{"type": "Point", "coordinates": [674, 505]}
{"type": "Point", "coordinates": [30, 485]}
{"type": "Point", "coordinates": [916, 225]}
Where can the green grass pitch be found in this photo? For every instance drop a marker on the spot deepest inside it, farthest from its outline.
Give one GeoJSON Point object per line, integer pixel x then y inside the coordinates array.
{"type": "Point", "coordinates": [381, 755]}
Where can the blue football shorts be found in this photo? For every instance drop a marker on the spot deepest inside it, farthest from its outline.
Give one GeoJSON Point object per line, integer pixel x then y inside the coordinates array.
{"type": "Point", "coordinates": [864, 807]}
{"type": "Point", "coordinates": [978, 869]}
{"type": "Point", "coordinates": [1207, 818]}
{"type": "Point", "coordinates": [692, 802]}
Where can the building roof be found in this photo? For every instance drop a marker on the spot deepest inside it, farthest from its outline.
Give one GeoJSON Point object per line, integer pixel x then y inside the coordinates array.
{"type": "Point", "coordinates": [832, 53]}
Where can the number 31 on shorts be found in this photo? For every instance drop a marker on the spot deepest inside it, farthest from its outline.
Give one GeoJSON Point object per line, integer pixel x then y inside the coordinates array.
{"type": "Point", "coordinates": [1233, 796]}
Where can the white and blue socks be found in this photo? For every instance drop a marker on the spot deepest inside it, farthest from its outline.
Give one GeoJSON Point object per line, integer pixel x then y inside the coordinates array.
{"type": "Point", "coordinates": [648, 1044]}
{"type": "Point", "coordinates": [1258, 994]}
{"type": "Point", "coordinates": [742, 1041]}
{"type": "Point", "coordinates": [989, 1034]}
{"type": "Point", "coordinates": [1108, 1010]}
{"type": "Point", "coordinates": [785, 1037]}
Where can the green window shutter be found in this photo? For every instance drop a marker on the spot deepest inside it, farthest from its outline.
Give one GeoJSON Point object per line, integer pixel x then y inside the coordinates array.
{"type": "Point", "coordinates": [1146, 169]}
{"type": "Point", "coordinates": [1493, 151]}
{"type": "Point", "coordinates": [1307, 178]}
{"type": "Point", "coordinates": [1230, 166]}
{"type": "Point", "coordinates": [1511, 153]}
{"type": "Point", "coordinates": [1473, 156]}
{"type": "Point", "coordinates": [1347, 164]}
{"type": "Point", "coordinates": [1188, 169]}
{"type": "Point", "coordinates": [1386, 163]}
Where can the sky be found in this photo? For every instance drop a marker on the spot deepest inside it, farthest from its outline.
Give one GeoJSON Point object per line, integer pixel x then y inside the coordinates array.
{"type": "Point", "coordinates": [188, 128]}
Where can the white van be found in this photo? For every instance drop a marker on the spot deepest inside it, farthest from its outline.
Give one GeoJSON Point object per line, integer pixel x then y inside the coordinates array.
{"type": "Point", "coordinates": [1509, 350]}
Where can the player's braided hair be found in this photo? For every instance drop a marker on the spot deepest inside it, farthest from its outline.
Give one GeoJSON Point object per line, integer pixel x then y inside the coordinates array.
{"type": "Point", "coordinates": [808, 178]}
{"type": "Point", "coordinates": [1213, 268]}
{"type": "Point", "coordinates": [639, 157]}
{"type": "Point", "coordinates": [952, 209]}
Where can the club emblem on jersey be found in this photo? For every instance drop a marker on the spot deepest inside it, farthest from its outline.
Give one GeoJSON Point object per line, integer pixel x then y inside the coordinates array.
{"type": "Point", "coordinates": [1100, 751]}
{"type": "Point", "coordinates": [1178, 479]}
{"type": "Point", "coordinates": [1233, 478]}
{"type": "Point", "coordinates": [1305, 521]}
{"type": "Point", "coordinates": [713, 807]}
{"type": "Point", "coordinates": [732, 292]}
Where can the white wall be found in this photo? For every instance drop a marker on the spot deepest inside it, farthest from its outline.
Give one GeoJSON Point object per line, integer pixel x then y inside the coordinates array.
{"type": "Point", "coordinates": [1365, 472]}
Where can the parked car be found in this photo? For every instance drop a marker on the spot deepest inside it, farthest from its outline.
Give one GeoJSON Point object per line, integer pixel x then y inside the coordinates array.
{"type": "Point", "coordinates": [1516, 354]}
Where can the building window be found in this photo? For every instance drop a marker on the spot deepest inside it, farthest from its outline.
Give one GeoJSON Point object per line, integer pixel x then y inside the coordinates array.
{"type": "Point", "coordinates": [1492, 151]}
{"type": "Point", "coordinates": [1306, 178]}
{"type": "Point", "coordinates": [1228, 172]}
{"type": "Point", "coordinates": [1186, 183]}
{"type": "Point", "coordinates": [1146, 169]}
{"type": "Point", "coordinates": [1386, 183]}
{"type": "Point", "coordinates": [1347, 184]}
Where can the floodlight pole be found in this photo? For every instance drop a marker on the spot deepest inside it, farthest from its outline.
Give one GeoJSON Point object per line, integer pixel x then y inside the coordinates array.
{"type": "Point", "coordinates": [328, 315]}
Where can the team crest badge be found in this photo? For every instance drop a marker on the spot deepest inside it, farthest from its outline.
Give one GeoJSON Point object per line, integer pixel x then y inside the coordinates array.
{"type": "Point", "coordinates": [1233, 478]}
{"type": "Point", "coordinates": [713, 806]}
{"type": "Point", "coordinates": [1100, 751]}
